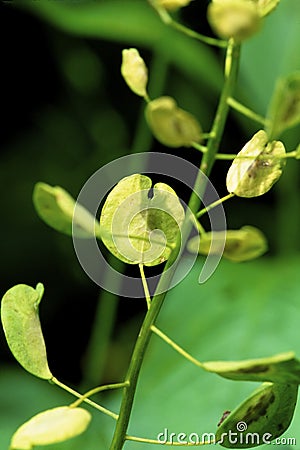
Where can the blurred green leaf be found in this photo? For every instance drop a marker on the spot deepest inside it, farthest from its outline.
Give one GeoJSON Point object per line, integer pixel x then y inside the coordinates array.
{"type": "Point", "coordinates": [21, 323]}
{"type": "Point", "coordinates": [135, 23]}
{"type": "Point", "coordinates": [243, 311]}
{"type": "Point", "coordinates": [285, 105]}
{"type": "Point", "coordinates": [270, 54]}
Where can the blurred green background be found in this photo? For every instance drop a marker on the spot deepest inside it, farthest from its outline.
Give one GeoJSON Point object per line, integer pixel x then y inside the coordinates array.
{"type": "Point", "coordinates": [66, 112]}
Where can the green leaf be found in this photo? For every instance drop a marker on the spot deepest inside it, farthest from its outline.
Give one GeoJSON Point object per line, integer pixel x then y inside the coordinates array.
{"type": "Point", "coordinates": [282, 368]}
{"type": "Point", "coordinates": [22, 328]}
{"type": "Point", "coordinates": [284, 110]}
{"type": "Point", "coordinates": [256, 167]}
{"type": "Point", "coordinates": [127, 21]}
{"type": "Point", "coordinates": [137, 228]}
{"type": "Point", "coordinates": [172, 126]}
{"type": "Point", "coordinates": [51, 426]}
{"type": "Point", "coordinates": [59, 210]}
{"type": "Point", "coordinates": [240, 245]}
{"type": "Point", "coordinates": [262, 417]}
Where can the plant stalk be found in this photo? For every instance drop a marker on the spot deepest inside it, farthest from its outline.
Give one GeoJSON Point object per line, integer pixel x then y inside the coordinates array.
{"type": "Point", "coordinates": [231, 64]}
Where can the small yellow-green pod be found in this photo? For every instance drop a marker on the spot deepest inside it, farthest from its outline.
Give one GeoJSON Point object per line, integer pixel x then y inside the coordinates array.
{"type": "Point", "coordinates": [59, 210]}
{"type": "Point", "coordinates": [50, 427]}
{"type": "Point", "coordinates": [22, 328]}
{"type": "Point", "coordinates": [171, 125]}
{"type": "Point", "coordinates": [134, 71]}
{"type": "Point", "coordinates": [256, 167]}
{"type": "Point", "coordinates": [240, 245]}
{"type": "Point", "coordinates": [238, 19]}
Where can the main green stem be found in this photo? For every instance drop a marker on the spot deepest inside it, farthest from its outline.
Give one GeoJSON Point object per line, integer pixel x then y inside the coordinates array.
{"type": "Point", "coordinates": [232, 60]}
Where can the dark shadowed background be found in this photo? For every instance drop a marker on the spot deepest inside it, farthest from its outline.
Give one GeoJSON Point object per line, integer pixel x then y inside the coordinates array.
{"type": "Point", "coordinates": [66, 112]}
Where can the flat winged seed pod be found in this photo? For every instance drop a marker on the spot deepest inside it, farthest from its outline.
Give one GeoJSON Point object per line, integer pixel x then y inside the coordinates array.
{"type": "Point", "coordinates": [256, 167]}
{"type": "Point", "coordinates": [262, 417]}
{"type": "Point", "coordinates": [134, 71]}
{"type": "Point", "coordinates": [138, 228]}
{"type": "Point", "coordinates": [22, 328]}
{"type": "Point", "coordinates": [240, 245]}
{"type": "Point", "coordinates": [59, 210]}
{"type": "Point", "coordinates": [50, 427]}
{"type": "Point", "coordinates": [171, 125]}
{"type": "Point", "coordinates": [280, 368]}
{"type": "Point", "coordinates": [238, 19]}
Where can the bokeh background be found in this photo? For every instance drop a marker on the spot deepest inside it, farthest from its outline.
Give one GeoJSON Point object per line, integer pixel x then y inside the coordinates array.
{"type": "Point", "coordinates": [66, 112]}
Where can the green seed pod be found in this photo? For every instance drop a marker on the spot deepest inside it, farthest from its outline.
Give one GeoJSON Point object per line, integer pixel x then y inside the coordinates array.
{"type": "Point", "coordinates": [22, 328]}
{"type": "Point", "coordinates": [240, 245]}
{"type": "Point", "coordinates": [172, 126]}
{"type": "Point", "coordinates": [59, 210]}
{"type": "Point", "coordinates": [262, 417]}
{"type": "Point", "coordinates": [238, 19]}
{"type": "Point", "coordinates": [138, 229]}
{"type": "Point", "coordinates": [281, 368]}
{"type": "Point", "coordinates": [134, 71]}
{"type": "Point", "coordinates": [256, 167]}
{"type": "Point", "coordinates": [50, 427]}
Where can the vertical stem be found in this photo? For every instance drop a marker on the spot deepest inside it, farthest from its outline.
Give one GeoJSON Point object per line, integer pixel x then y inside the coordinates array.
{"type": "Point", "coordinates": [231, 68]}
{"type": "Point", "coordinates": [208, 159]}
